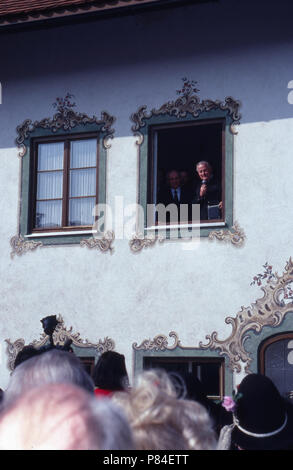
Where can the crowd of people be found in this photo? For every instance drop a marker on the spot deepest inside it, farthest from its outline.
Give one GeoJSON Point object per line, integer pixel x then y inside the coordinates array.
{"type": "Point", "coordinates": [51, 402]}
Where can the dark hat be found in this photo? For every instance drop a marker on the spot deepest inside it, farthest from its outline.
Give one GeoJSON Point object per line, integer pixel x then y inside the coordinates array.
{"type": "Point", "coordinates": [263, 418]}
{"type": "Point", "coordinates": [49, 324]}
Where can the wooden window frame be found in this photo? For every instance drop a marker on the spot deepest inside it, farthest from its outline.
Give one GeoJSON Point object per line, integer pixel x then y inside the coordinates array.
{"type": "Point", "coordinates": [143, 128]}
{"type": "Point", "coordinates": [198, 361]}
{"type": "Point", "coordinates": [266, 343]}
{"type": "Point", "coordinates": [67, 138]}
{"type": "Point", "coordinates": [65, 124]}
{"type": "Point", "coordinates": [153, 129]}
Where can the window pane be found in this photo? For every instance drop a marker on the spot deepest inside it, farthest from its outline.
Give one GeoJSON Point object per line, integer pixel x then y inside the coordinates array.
{"type": "Point", "coordinates": [80, 211]}
{"type": "Point", "coordinates": [209, 375]}
{"type": "Point", "coordinates": [83, 182]}
{"type": "Point", "coordinates": [50, 156]}
{"type": "Point", "coordinates": [50, 185]}
{"type": "Point", "coordinates": [83, 153]}
{"type": "Point", "coordinates": [48, 214]}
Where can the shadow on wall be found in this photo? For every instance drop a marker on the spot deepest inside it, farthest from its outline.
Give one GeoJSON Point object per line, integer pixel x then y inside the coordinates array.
{"type": "Point", "coordinates": [244, 52]}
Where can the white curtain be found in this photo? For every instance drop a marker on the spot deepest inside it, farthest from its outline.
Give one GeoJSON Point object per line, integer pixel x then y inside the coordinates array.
{"type": "Point", "coordinates": [82, 182]}
{"type": "Point", "coordinates": [49, 185]}
{"type": "Point", "coordinates": [48, 214]}
{"type": "Point", "coordinates": [80, 211]}
{"type": "Point", "coordinates": [50, 156]}
{"type": "Point", "coordinates": [83, 153]}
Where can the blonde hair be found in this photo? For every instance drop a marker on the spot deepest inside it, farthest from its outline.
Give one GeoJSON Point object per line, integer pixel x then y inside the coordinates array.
{"type": "Point", "coordinates": [161, 421]}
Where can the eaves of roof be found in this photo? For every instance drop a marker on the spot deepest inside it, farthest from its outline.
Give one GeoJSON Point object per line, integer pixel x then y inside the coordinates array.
{"type": "Point", "coordinates": [35, 11]}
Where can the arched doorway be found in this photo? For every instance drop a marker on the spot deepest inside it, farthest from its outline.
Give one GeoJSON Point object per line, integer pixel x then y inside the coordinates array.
{"type": "Point", "coordinates": [275, 358]}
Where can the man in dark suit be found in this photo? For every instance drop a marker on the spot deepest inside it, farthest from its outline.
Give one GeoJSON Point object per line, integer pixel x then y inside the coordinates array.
{"type": "Point", "coordinates": [207, 193]}
{"type": "Point", "coordinates": [174, 193]}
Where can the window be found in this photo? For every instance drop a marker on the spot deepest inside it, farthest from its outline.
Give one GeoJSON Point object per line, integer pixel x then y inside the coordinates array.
{"type": "Point", "coordinates": [65, 183]}
{"type": "Point", "coordinates": [63, 174]}
{"type": "Point", "coordinates": [175, 141]}
{"type": "Point", "coordinates": [88, 363]}
{"type": "Point", "coordinates": [276, 361]}
{"type": "Point", "coordinates": [176, 150]}
{"type": "Point", "coordinates": [209, 371]}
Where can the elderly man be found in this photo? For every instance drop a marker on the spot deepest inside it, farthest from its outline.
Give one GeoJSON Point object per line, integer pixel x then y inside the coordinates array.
{"type": "Point", "coordinates": [207, 193]}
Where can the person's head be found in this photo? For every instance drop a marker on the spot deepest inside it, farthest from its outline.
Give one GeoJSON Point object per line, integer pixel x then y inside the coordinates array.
{"type": "Point", "coordinates": [173, 179]}
{"type": "Point", "coordinates": [184, 177]}
{"type": "Point", "coordinates": [63, 417]}
{"type": "Point", "coordinates": [204, 170]}
{"type": "Point", "coordinates": [263, 419]}
{"type": "Point", "coordinates": [53, 366]}
{"type": "Point", "coordinates": [110, 371]}
{"type": "Point", "coordinates": [160, 421]}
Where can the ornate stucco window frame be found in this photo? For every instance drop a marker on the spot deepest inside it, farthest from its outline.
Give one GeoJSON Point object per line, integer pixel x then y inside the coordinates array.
{"type": "Point", "coordinates": [83, 348]}
{"type": "Point", "coordinates": [267, 316]}
{"type": "Point", "coordinates": [187, 109]}
{"type": "Point", "coordinates": [65, 123]}
{"type": "Point", "coordinates": [158, 347]}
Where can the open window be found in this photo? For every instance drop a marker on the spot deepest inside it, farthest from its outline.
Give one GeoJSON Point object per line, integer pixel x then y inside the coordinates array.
{"type": "Point", "coordinates": [176, 142]}
{"type": "Point", "coordinates": [178, 154]}
{"type": "Point", "coordinates": [211, 368]}
{"type": "Point", "coordinates": [210, 371]}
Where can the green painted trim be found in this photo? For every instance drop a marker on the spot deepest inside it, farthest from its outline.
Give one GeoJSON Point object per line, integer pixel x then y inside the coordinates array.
{"type": "Point", "coordinates": [144, 161]}
{"type": "Point", "coordinates": [86, 352]}
{"type": "Point", "coordinates": [138, 356]}
{"type": "Point", "coordinates": [254, 340]}
{"type": "Point", "coordinates": [26, 182]}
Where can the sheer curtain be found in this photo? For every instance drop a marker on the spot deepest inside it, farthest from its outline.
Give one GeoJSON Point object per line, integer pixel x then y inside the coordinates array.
{"type": "Point", "coordinates": [49, 185]}
{"type": "Point", "coordinates": [82, 181]}
{"type": "Point", "coordinates": [83, 153]}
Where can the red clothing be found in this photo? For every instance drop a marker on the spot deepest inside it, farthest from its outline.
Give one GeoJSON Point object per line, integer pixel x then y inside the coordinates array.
{"type": "Point", "coordinates": [100, 392]}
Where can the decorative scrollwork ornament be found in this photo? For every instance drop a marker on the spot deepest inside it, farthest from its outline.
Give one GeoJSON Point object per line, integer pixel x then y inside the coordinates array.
{"type": "Point", "coordinates": [21, 246]}
{"type": "Point", "coordinates": [235, 236]}
{"type": "Point", "coordinates": [103, 244]}
{"type": "Point", "coordinates": [159, 343]}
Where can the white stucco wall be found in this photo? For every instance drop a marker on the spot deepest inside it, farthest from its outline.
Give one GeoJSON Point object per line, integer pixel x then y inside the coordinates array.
{"type": "Point", "coordinates": [118, 65]}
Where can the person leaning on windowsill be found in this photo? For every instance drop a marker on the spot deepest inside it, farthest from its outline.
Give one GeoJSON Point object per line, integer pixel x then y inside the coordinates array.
{"type": "Point", "coordinates": [206, 191]}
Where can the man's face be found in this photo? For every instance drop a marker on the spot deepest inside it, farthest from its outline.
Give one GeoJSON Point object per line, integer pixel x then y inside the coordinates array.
{"type": "Point", "coordinates": [204, 172]}
{"type": "Point", "coordinates": [184, 177]}
{"type": "Point", "coordinates": [174, 179]}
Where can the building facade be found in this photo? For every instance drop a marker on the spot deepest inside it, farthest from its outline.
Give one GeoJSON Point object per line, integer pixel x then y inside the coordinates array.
{"type": "Point", "coordinates": [96, 112]}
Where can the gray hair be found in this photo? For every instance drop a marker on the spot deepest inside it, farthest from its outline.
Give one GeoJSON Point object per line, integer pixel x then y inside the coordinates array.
{"type": "Point", "coordinates": [53, 366]}
{"type": "Point", "coordinates": [63, 417]}
{"type": "Point", "coordinates": [203, 162]}
{"type": "Point", "coordinates": [113, 428]}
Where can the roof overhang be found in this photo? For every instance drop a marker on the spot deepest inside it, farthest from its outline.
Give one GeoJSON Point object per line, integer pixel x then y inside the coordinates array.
{"type": "Point", "coordinates": [26, 14]}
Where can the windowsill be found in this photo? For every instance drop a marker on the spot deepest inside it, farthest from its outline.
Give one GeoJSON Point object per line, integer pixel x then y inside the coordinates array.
{"type": "Point", "coordinates": [183, 226]}
{"type": "Point", "coordinates": [59, 234]}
